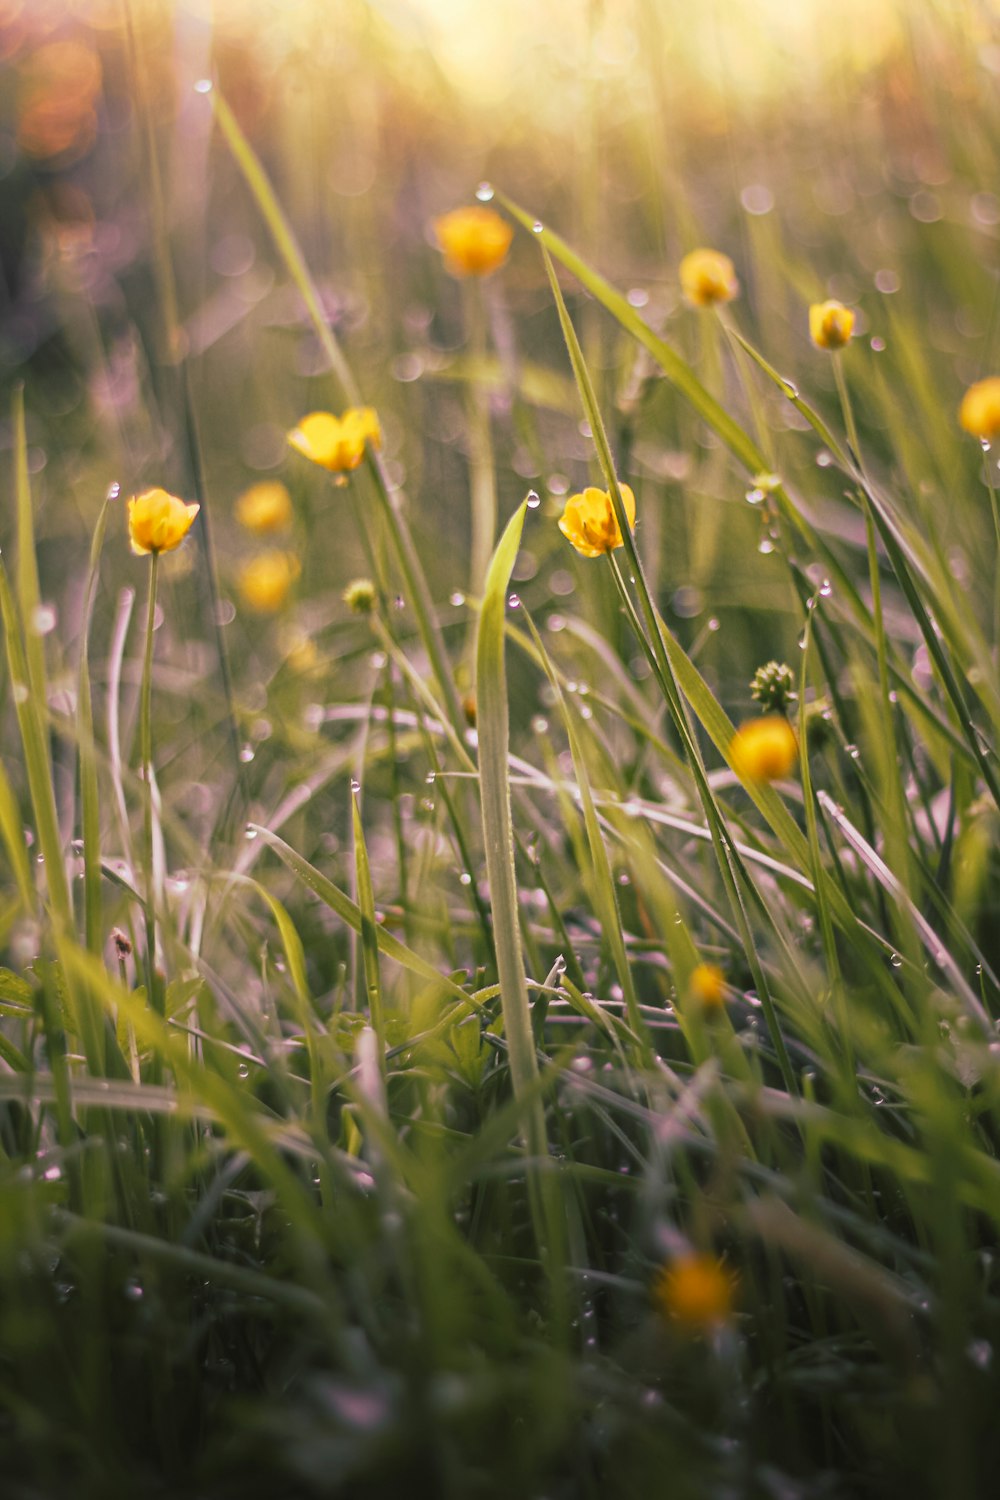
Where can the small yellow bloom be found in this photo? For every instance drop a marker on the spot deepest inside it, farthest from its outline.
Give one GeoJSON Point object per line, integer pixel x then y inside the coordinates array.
{"type": "Point", "coordinates": [708, 986]}
{"type": "Point", "coordinates": [158, 522]}
{"type": "Point", "coordinates": [301, 655]}
{"type": "Point", "coordinates": [979, 412]}
{"type": "Point", "coordinates": [695, 1290]}
{"type": "Point", "coordinates": [708, 277]}
{"type": "Point", "coordinates": [264, 582]}
{"type": "Point", "coordinates": [590, 523]}
{"type": "Point", "coordinates": [336, 443]}
{"type": "Point", "coordinates": [474, 241]}
{"type": "Point", "coordinates": [265, 507]}
{"type": "Point", "coordinates": [764, 749]}
{"type": "Point", "coordinates": [830, 324]}
{"type": "Point", "coordinates": [360, 596]}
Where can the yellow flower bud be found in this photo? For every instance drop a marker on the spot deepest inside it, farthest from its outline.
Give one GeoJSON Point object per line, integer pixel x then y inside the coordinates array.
{"type": "Point", "coordinates": [264, 582]}
{"type": "Point", "coordinates": [830, 324]}
{"type": "Point", "coordinates": [360, 596]}
{"type": "Point", "coordinates": [708, 277]}
{"type": "Point", "coordinates": [764, 749]}
{"type": "Point", "coordinates": [708, 986]}
{"type": "Point", "coordinates": [474, 241]}
{"type": "Point", "coordinates": [979, 412]}
{"type": "Point", "coordinates": [336, 443]}
{"type": "Point", "coordinates": [265, 507]}
{"type": "Point", "coordinates": [590, 523]}
{"type": "Point", "coordinates": [158, 522]}
{"type": "Point", "coordinates": [696, 1291]}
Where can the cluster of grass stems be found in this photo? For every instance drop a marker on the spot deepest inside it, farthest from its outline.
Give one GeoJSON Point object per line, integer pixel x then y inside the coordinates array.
{"type": "Point", "coordinates": [333, 1173]}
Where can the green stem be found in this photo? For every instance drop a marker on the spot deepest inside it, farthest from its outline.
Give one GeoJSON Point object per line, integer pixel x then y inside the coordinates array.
{"type": "Point", "coordinates": [146, 757]}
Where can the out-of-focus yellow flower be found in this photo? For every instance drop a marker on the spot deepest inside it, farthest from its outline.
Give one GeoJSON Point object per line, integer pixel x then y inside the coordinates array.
{"type": "Point", "coordinates": [708, 277]}
{"type": "Point", "coordinates": [979, 412]}
{"type": "Point", "coordinates": [695, 1290]}
{"type": "Point", "coordinates": [764, 749]}
{"type": "Point", "coordinates": [360, 596]}
{"type": "Point", "coordinates": [158, 522]}
{"type": "Point", "coordinates": [336, 443]}
{"type": "Point", "coordinates": [265, 507]}
{"type": "Point", "coordinates": [590, 523]}
{"type": "Point", "coordinates": [708, 986]}
{"type": "Point", "coordinates": [474, 241]}
{"type": "Point", "coordinates": [301, 654]}
{"type": "Point", "coordinates": [264, 582]}
{"type": "Point", "coordinates": [830, 324]}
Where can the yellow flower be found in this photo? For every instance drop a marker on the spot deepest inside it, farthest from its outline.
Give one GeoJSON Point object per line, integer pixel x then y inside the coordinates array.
{"type": "Point", "coordinates": [589, 520]}
{"type": "Point", "coordinates": [336, 443]}
{"type": "Point", "coordinates": [265, 507]}
{"type": "Point", "coordinates": [764, 749]}
{"type": "Point", "coordinates": [265, 580]}
{"type": "Point", "coordinates": [360, 596]}
{"type": "Point", "coordinates": [979, 412]}
{"type": "Point", "coordinates": [708, 277]}
{"type": "Point", "coordinates": [158, 522]}
{"type": "Point", "coordinates": [474, 241]}
{"type": "Point", "coordinates": [830, 324]}
{"type": "Point", "coordinates": [695, 1290]}
{"type": "Point", "coordinates": [708, 985]}
{"type": "Point", "coordinates": [301, 655]}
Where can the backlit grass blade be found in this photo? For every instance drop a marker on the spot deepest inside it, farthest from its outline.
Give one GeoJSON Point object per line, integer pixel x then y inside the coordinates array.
{"type": "Point", "coordinates": [349, 913]}
{"type": "Point", "coordinates": [90, 816]}
{"type": "Point", "coordinates": [369, 927]}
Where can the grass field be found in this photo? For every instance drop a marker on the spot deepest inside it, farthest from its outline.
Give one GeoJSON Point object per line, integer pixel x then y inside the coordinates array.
{"type": "Point", "coordinates": [500, 794]}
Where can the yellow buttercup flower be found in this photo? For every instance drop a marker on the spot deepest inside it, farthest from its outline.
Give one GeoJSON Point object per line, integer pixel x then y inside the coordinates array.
{"type": "Point", "coordinates": [830, 324]}
{"type": "Point", "coordinates": [590, 523]}
{"type": "Point", "coordinates": [695, 1290]}
{"type": "Point", "coordinates": [264, 582]}
{"type": "Point", "coordinates": [265, 507]}
{"type": "Point", "coordinates": [474, 241]}
{"type": "Point", "coordinates": [764, 749]}
{"type": "Point", "coordinates": [708, 277]}
{"type": "Point", "coordinates": [708, 986]}
{"type": "Point", "coordinates": [158, 522]}
{"type": "Point", "coordinates": [979, 412]}
{"type": "Point", "coordinates": [336, 443]}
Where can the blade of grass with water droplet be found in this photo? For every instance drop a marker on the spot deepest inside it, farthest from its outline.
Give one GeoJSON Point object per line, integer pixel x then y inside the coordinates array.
{"type": "Point", "coordinates": [369, 928]}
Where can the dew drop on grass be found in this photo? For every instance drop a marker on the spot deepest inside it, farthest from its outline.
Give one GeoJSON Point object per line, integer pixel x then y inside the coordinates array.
{"type": "Point", "coordinates": [249, 833]}
{"type": "Point", "coordinates": [484, 192]}
{"type": "Point", "coordinates": [114, 490]}
{"type": "Point", "coordinates": [533, 499]}
{"type": "Point", "coordinates": [247, 753]}
{"type": "Point", "coordinates": [538, 227]}
{"type": "Point", "coordinates": [457, 599]}
{"type": "Point", "coordinates": [465, 878]}
{"type": "Point", "coordinates": [514, 601]}
{"type": "Point", "coordinates": [203, 86]}
{"type": "Point", "coordinates": [896, 961]}
{"type": "Point", "coordinates": [756, 496]}
{"type": "Point", "coordinates": [355, 786]}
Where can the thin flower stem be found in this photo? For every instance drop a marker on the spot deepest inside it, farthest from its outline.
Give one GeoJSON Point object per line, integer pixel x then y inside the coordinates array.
{"type": "Point", "coordinates": [146, 757]}
{"type": "Point", "coordinates": [996, 529]}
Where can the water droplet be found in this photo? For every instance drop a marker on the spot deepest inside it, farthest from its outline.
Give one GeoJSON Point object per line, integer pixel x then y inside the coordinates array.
{"type": "Point", "coordinates": [878, 345]}
{"type": "Point", "coordinates": [533, 499]}
{"type": "Point", "coordinates": [465, 878]}
{"type": "Point", "coordinates": [457, 599]}
{"type": "Point", "coordinates": [249, 833]}
{"type": "Point", "coordinates": [484, 192]}
{"type": "Point", "coordinates": [756, 496]}
{"type": "Point", "coordinates": [896, 961]}
{"type": "Point", "coordinates": [243, 1070]}
{"type": "Point", "coordinates": [826, 588]}
{"type": "Point", "coordinates": [430, 777]}
{"type": "Point", "coordinates": [539, 724]}
{"type": "Point", "coordinates": [765, 546]}
{"type": "Point", "coordinates": [514, 601]}
{"type": "Point", "coordinates": [790, 389]}
{"type": "Point", "coordinates": [114, 490]}
{"type": "Point", "coordinates": [246, 754]}
{"type": "Point", "coordinates": [203, 86]}
{"type": "Point", "coordinates": [355, 786]}
{"type": "Point", "coordinates": [538, 227]}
